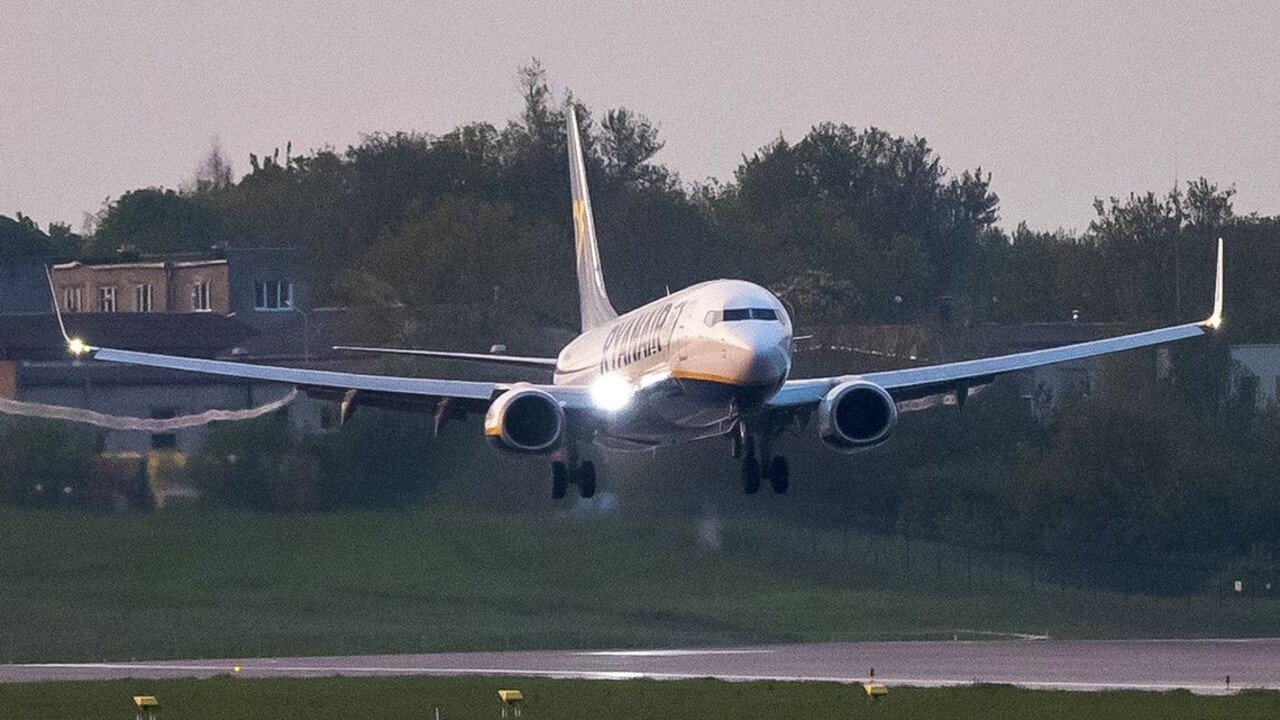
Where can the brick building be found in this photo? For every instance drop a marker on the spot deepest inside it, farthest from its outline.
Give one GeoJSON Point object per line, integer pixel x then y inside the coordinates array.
{"type": "Point", "coordinates": [183, 286]}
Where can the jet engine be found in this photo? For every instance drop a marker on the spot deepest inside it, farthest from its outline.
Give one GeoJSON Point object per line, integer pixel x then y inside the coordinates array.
{"type": "Point", "coordinates": [525, 420]}
{"type": "Point", "coordinates": [856, 415]}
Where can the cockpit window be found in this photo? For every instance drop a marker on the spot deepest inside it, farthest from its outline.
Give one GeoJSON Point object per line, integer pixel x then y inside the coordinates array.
{"type": "Point", "coordinates": [737, 314]}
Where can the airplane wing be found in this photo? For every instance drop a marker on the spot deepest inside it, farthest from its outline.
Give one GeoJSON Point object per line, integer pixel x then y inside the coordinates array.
{"type": "Point", "coordinates": [916, 383]}
{"type": "Point", "coordinates": [360, 389]}
{"type": "Point", "coordinates": [477, 357]}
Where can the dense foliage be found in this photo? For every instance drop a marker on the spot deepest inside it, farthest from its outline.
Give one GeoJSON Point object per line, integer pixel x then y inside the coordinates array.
{"type": "Point", "coordinates": [21, 237]}
{"type": "Point", "coordinates": [45, 463]}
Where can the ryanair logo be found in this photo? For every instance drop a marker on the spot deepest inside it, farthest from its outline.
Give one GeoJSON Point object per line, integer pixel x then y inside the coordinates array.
{"type": "Point", "coordinates": [639, 337]}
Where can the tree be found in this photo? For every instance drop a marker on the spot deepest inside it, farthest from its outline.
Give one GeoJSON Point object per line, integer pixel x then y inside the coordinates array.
{"type": "Point", "coordinates": [465, 251]}
{"type": "Point", "coordinates": [214, 173]}
{"type": "Point", "coordinates": [1149, 242]}
{"type": "Point", "coordinates": [628, 141]}
{"type": "Point", "coordinates": [21, 237]}
{"type": "Point", "coordinates": [873, 209]}
{"type": "Point", "coordinates": [154, 220]}
{"type": "Point", "coordinates": [1207, 206]}
{"type": "Point", "coordinates": [1041, 276]}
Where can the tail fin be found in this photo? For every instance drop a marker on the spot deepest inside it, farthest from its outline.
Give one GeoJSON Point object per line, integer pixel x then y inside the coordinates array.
{"type": "Point", "coordinates": [596, 309]}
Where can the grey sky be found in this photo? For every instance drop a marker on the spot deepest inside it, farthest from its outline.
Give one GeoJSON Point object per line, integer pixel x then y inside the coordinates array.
{"type": "Point", "coordinates": [1060, 101]}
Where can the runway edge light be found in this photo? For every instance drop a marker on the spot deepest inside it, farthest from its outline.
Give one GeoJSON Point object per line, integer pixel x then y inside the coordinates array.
{"type": "Point", "coordinates": [875, 690]}
{"type": "Point", "coordinates": [146, 706]}
{"type": "Point", "coordinates": [510, 699]}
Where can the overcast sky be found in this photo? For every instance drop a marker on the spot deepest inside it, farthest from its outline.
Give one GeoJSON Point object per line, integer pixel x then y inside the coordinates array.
{"type": "Point", "coordinates": [1061, 101]}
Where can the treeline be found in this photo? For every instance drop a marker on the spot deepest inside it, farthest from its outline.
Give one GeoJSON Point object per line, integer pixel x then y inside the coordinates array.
{"type": "Point", "coordinates": [850, 225]}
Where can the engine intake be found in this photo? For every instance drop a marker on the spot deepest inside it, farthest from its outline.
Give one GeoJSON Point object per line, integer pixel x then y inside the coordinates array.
{"type": "Point", "coordinates": [856, 415]}
{"type": "Point", "coordinates": [525, 420]}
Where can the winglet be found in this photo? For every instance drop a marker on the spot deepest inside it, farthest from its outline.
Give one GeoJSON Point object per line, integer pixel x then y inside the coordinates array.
{"type": "Point", "coordinates": [75, 346]}
{"type": "Point", "coordinates": [1214, 321]}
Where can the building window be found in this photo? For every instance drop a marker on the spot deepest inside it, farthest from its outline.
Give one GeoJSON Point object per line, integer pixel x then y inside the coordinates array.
{"type": "Point", "coordinates": [107, 299]}
{"type": "Point", "coordinates": [142, 298]}
{"type": "Point", "coordinates": [200, 297]}
{"type": "Point", "coordinates": [72, 300]}
{"type": "Point", "coordinates": [273, 295]}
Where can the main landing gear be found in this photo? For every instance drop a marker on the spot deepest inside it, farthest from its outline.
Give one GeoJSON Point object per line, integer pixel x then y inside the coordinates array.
{"type": "Point", "coordinates": [581, 474]}
{"type": "Point", "coordinates": [761, 464]}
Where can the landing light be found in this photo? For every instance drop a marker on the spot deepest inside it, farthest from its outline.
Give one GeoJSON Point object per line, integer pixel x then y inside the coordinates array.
{"type": "Point", "coordinates": [612, 393]}
{"type": "Point", "coordinates": [77, 346]}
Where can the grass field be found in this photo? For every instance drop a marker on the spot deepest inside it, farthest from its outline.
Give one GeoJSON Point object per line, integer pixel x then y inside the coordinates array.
{"type": "Point", "coordinates": [417, 698]}
{"type": "Point", "coordinates": [178, 585]}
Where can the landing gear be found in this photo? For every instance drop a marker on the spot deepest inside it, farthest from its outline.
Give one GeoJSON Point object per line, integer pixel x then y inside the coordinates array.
{"type": "Point", "coordinates": [559, 480]}
{"type": "Point", "coordinates": [779, 475]}
{"type": "Point", "coordinates": [586, 479]}
{"type": "Point", "coordinates": [744, 446]}
{"type": "Point", "coordinates": [750, 475]}
{"type": "Point", "coordinates": [583, 475]}
{"type": "Point", "coordinates": [759, 464]}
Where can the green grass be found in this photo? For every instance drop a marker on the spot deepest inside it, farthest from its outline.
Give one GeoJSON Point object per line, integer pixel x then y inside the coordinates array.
{"type": "Point", "coordinates": [344, 698]}
{"type": "Point", "coordinates": [186, 585]}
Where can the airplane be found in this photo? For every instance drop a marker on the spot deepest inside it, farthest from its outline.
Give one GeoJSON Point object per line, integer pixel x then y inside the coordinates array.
{"type": "Point", "coordinates": [710, 361]}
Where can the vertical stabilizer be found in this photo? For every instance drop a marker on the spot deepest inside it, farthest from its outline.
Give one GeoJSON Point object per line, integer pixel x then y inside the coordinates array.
{"type": "Point", "coordinates": [596, 309]}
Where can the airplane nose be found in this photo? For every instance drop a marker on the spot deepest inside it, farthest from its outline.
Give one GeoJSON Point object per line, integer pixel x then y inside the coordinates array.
{"type": "Point", "coordinates": [764, 357]}
{"type": "Point", "coordinates": [770, 365]}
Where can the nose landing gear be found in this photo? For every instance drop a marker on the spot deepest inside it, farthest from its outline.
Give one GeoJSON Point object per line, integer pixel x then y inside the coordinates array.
{"type": "Point", "coordinates": [760, 465]}
{"type": "Point", "coordinates": [750, 474]}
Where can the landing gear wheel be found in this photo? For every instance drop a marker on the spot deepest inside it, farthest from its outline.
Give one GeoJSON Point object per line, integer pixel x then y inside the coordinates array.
{"type": "Point", "coordinates": [559, 480]}
{"type": "Point", "coordinates": [779, 475]}
{"type": "Point", "coordinates": [750, 475]}
{"type": "Point", "coordinates": [587, 479]}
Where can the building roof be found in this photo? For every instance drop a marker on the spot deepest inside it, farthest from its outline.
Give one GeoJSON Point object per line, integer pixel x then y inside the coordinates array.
{"type": "Point", "coordinates": [145, 264]}
{"type": "Point", "coordinates": [36, 336]}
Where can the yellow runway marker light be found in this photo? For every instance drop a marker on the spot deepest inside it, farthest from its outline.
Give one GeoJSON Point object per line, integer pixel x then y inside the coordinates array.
{"type": "Point", "coordinates": [146, 706]}
{"type": "Point", "coordinates": [511, 699]}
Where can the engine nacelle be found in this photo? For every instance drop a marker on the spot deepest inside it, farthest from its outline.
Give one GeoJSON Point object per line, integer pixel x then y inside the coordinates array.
{"type": "Point", "coordinates": [525, 420]}
{"type": "Point", "coordinates": [856, 415]}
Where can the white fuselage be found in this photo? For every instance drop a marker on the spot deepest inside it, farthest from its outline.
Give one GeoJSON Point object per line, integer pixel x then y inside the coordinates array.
{"type": "Point", "coordinates": [697, 360]}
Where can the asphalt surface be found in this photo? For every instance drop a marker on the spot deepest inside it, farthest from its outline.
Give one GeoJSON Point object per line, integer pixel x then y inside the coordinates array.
{"type": "Point", "coordinates": [1198, 665]}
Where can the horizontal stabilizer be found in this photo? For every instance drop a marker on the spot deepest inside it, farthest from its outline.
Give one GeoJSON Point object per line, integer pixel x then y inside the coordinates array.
{"type": "Point", "coordinates": [474, 357]}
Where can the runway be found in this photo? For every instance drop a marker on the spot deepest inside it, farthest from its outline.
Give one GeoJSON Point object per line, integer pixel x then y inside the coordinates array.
{"type": "Point", "coordinates": [1198, 665]}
